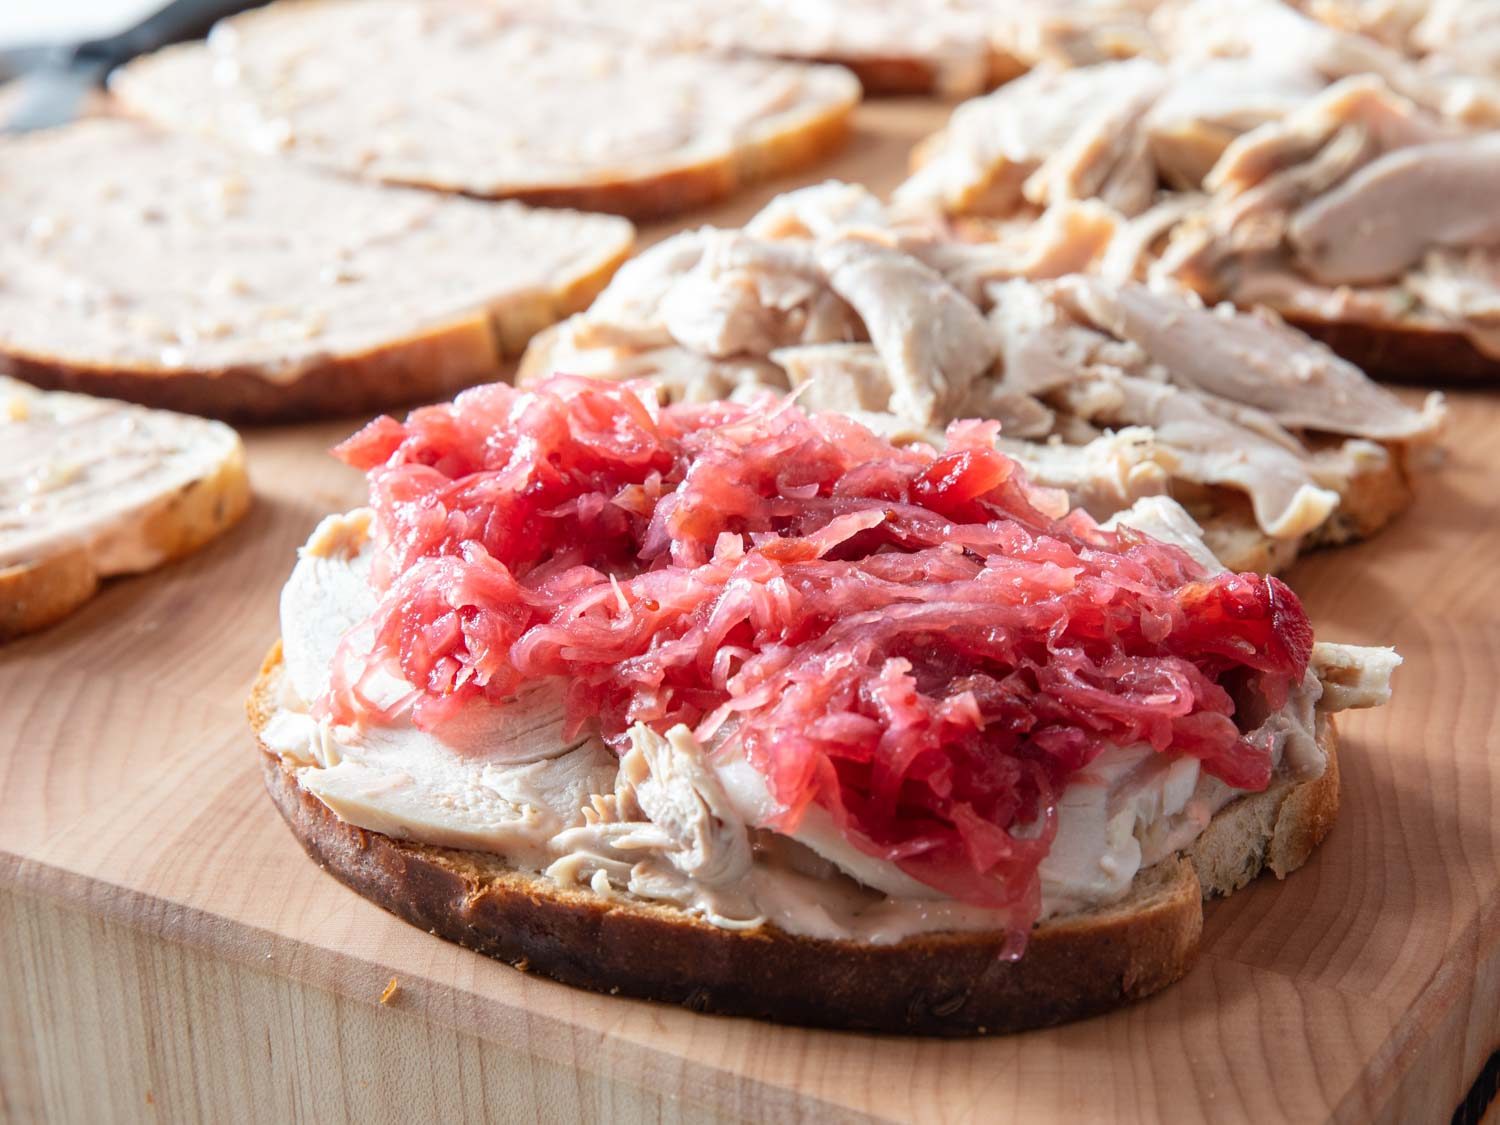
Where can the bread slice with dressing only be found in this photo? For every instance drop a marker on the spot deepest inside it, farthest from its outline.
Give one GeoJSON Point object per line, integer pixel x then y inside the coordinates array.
{"type": "Point", "coordinates": [477, 99]}
{"type": "Point", "coordinates": [157, 268]}
{"type": "Point", "coordinates": [91, 488]}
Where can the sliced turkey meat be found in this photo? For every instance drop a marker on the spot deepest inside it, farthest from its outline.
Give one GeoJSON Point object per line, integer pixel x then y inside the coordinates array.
{"type": "Point", "coordinates": [1194, 436]}
{"type": "Point", "coordinates": [818, 211]}
{"type": "Point", "coordinates": [1066, 238]}
{"type": "Point", "coordinates": [1075, 33]}
{"type": "Point", "coordinates": [1274, 30]}
{"type": "Point", "coordinates": [1249, 358]}
{"type": "Point", "coordinates": [853, 379]}
{"type": "Point", "coordinates": [1044, 348]}
{"type": "Point", "coordinates": [1116, 132]}
{"type": "Point", "coordinates": [985, 161]}
{"type": "Point", "coordinates": [1381, 220]}
{"type": "Point", "coordinates": [1365, 103]}
{"type": "Point", "coordinates": [1360, 207]}
{"type": "Point", "coordinates": [1391, 22]}
{"type": "Point", "coordinates": [1102, 476]}
{"type": "Point", "coordinates": [746, 296]}
{"type": "Point", "coordinates": [933, 343]}
{"type": "Point", "coordinates": [630, 310]}
{"type": "Point", "coordinates": [1130, 252]}
{"type": "Point", "coordinates": [1212, 102]}
{"type": "Point", "coordinates": [1460, 283]}
{"type": "Point", "coordinates": [1212, 448]}
{"type": "Point", "coordinates": [1107, 156]}
{"type": "Point", "coordinates": [1453, 45]}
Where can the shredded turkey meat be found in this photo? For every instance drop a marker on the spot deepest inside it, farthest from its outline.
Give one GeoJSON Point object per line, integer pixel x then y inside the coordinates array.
{"type": "Point", "coordinates": [1108, 389]}
{"type": "Point", "coordinates": [1359, 206]}
{"type": "Point", "coordinates": [1331, 162]}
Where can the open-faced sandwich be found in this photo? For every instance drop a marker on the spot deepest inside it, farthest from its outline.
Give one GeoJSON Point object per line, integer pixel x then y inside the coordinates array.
{"type": "Point", "coordinates": [91, 488]}
{"type": "Point", "coordinates": [1109, 389]}
{"type": "Point", "coordinates": [747, 708]}
{"type": "Point", "coordinates": [162, 269]}
{"type": "Point", "coordinates": [1267, 160]}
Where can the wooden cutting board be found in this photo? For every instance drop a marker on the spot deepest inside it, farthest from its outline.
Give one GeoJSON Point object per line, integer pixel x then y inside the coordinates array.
{"type": "Point", "coordinates": [168, 951]}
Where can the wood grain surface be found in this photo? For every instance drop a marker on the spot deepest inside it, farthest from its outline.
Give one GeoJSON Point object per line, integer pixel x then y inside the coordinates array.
{"type": "Point", "coordinates": [169, 953]}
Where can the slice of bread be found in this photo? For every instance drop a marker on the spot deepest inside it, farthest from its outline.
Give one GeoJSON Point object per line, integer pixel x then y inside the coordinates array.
{"type": "Point", "coordinates": [933, 984]}
{"type": "Point", "coordinates": [92, 488]}
{"type": "Point", "coordinates": [1410, 352]}
{"type": "Point", "coordinates": [471, 98]}
{"type": "Point", "coordinates": [895, 47]}
{"type": "Point", "coordinates": [157, 268]}
{"type": "Point", "coordinates": [1372, 498]}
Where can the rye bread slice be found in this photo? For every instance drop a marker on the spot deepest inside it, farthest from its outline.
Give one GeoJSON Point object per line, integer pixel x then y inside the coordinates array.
{"type": "Point", "coordinates": [1422, 354]}
{"type": "Point", "coordinates": [159, 268]}
{"type": "Point", "coordinates": [162, 519]}
{"type": "Point", "coordinates": [492, 103]}
{"type": "Point", "coordinates": [935, 984]}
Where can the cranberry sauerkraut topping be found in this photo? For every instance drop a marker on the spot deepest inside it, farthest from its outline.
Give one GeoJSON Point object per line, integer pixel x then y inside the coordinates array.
{"type": "Point", "coordinates": [917, 641]}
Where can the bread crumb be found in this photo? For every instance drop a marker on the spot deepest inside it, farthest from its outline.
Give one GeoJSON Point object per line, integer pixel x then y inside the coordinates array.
{"type": "Point", "coordinates": [523, 964]}
{"type": "Point", "coordinates": [390, 991]}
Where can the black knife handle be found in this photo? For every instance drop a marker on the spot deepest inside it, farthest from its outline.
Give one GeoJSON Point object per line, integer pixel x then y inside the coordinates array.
{"type": "Point", "coordinates": [178, 21]}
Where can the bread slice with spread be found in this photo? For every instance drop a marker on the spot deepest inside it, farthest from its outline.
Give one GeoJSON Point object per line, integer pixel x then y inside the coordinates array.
{"type": "Point", "coordinates": [493, 103]}
{"type": "Point", "coordinates": [749, 709]}
{"type": "Point", "coordinates": [91, 488]}
{"type": "Point", "coordinates": [161, 269]}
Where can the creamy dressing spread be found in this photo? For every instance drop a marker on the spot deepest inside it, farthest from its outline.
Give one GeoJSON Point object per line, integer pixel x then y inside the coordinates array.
{"type": "Point", "coordinates": [469, 97]}
{"type": "Point", "coordinates": [123, 247]}
{"type": "Point", "coordinates": [88, 472]}
{"type": "Point", "coordinates": [669, 822]}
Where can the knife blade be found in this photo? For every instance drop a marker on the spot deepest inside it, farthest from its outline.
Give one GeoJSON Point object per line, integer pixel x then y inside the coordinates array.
{"type": "Point", "coordinates": [58, 82]}
{"type": "Point", "coordinates": [54, 94]}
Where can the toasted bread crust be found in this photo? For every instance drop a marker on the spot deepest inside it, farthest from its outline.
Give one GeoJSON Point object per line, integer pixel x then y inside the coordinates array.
{"type": "Point", "coordinates": [1288, 821]}
{"type": "Point", "coordinates": [431, 364]}
{"type": "Point", "coordinates": [34, 595]}
{"type": "Point", "coordinates": [932, 984]}
{"type": "Point", "coordinates": [1404, 353]}
{"type": "Point", "coordinates": [37, 594]}
{"type": "Point", "coordinates": [1373, 499]}
{"type": "Point", "coordinates": [812, 138]}
{"type": "Point", "coordinates": [910, 76]}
